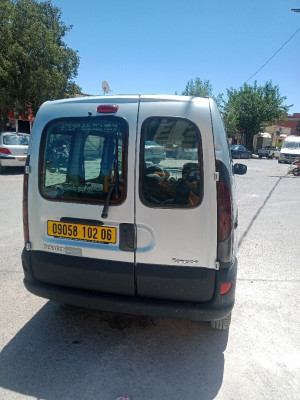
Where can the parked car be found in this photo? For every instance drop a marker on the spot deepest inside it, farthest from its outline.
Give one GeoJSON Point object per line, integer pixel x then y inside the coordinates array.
{"type": "Point", "coordinates": [239, 151]}
{"type": "Point", "coordinates": [13, 149]}
{"type": "Point", "coordinates": [190, 153]}
{"type": "Point", "coordinates": [154, 152]}
{"type": "Point", "coordinates": [174, 151]}
{"type": "Point", "coordinates": [290, 150]}
{"type": "Point", "coordinates": [269, 152]}
{"type": "Point", "coordinates": [277, 152]}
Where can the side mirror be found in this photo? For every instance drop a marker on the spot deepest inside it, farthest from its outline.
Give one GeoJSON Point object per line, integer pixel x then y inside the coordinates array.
{"type": "Point", "coordinates": [239, 169]}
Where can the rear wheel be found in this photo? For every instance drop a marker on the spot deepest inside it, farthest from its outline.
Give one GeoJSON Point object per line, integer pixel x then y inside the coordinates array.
{"type": "Point", "coordinates": [223, 323]}
{"type": "Point", "coordinates": [296, 171]}
{"type": "Point", "coordinates": [1, 169]}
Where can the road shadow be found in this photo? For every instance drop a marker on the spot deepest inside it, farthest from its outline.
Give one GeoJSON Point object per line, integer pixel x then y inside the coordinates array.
{"type": "Point", "coordinates": [84, 354]}
{"type": "Point", "coordinates": [256, 215]}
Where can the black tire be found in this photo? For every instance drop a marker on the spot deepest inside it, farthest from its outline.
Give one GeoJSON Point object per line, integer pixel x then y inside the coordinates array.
{"type": "Point", "coordinates": [222, 324]}
{"type": "Point", "coordinates": [296, 171]}
{"type": "Point", "coordinates": [1, 168]}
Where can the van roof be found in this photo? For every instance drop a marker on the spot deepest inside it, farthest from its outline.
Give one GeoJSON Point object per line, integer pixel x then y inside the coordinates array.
{"type": "Point", "coordinates": [127, 97]}
{"type": "Point", "coordinates": [292, 138]}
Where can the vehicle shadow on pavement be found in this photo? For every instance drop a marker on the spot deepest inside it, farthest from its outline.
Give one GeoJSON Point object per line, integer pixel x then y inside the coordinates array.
{"type": "Point", "coordinates": [256, 215]}
{"type": "Point", "coordinates": [73, 353]}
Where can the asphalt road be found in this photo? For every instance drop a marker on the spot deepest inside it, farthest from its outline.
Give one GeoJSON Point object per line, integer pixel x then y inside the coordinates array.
{"type": "Point", "coordinates": [52, 353]}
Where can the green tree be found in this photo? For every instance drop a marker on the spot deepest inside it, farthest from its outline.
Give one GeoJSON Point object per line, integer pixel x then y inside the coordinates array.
{"type": "Point", "coordinates": [249, 106]}
{"type": "Point", "coordinates": [35, 64]}
{"type": "Point", "coordinates": [201, 88]}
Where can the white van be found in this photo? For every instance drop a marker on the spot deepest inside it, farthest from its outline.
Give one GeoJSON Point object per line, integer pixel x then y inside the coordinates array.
{"type": "Point", "coordinates": [290, 150]}
{"type": "Point", "coordinates": [109, 227]}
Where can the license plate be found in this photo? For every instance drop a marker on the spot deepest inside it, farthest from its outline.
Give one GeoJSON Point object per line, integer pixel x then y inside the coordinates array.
{"type": "Point", "coordinates": [23, 159]}
{"type": "Point", "coordinates": [104, 234]}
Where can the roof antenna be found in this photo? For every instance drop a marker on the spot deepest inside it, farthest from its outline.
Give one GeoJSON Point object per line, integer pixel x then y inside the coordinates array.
{"type": "Point", "coordinates": [105, 87]}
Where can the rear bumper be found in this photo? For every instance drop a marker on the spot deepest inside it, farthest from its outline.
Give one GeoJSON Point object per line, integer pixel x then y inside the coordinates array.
{"type": "Point", "coordinates": [288, 158]}
{"type": "Point", "coordinates": [13, 161]}
{"type": "Point", "coordinates": [218, 307]}
{"type": "Point", "coordinates": [264, 155]}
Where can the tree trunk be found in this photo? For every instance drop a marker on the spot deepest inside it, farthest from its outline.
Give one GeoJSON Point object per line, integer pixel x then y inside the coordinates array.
{"type": "Point", "coordinates": [249, 141]}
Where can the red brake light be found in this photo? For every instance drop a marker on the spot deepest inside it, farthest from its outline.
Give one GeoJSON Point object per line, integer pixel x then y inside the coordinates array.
{"type": "Point", "coordinates": [225, 212]}
{"type": "Point", "coordinates": [225, 287]}
{"type": "Point", "coordinates": [107, 108]}
{"type": "Point", "coordinates": [3, 150]}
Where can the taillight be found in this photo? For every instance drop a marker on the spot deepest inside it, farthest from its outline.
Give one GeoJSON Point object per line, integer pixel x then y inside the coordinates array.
{"type": "Point", "coordinates": [4, 150]}
{"type": "Point", "coordinates": [107, 109]}
{"type": "Point", "coordinates": [225, 211]}
{"type": "Point", "coordinates": [225, 287]}
{"type": "Point", "coordinates": [25, 204]}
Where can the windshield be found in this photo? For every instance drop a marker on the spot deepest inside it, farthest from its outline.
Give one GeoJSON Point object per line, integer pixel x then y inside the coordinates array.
{"type": "Point", "coordinates": [291, 145]}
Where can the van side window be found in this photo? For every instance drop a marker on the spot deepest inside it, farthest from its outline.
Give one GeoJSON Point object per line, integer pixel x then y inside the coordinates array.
{"type": "Point", "coordinates": [80, 157]}
{"type": "Point", "coordinates": [171, 163]}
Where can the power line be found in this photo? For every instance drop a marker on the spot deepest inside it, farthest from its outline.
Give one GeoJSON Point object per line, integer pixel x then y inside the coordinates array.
{"type": "Point", "coordinates": [273, 56]}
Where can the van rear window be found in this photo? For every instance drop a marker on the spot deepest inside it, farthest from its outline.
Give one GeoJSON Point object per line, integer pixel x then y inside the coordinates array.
{"type": "Point", "coordinates": [171, 163]}
{"type": "Point", "coordinates": [81, 158]}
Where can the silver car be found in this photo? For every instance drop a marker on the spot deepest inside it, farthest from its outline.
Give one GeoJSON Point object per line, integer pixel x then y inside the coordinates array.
{"type": "Point", "coordinates": [13, 149]}
{"type": "Point", "coordinates": [154, 152]}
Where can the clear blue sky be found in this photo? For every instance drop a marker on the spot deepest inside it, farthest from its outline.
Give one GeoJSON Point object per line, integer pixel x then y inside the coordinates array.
{"type": "Point", "coordinates": [156, 46]}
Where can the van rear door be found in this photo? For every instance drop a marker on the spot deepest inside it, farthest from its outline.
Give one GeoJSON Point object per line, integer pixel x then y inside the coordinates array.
{"type": "Point", "coordinates": [176, 206]}
{"type": "Point", "coordinates": [82, 153]}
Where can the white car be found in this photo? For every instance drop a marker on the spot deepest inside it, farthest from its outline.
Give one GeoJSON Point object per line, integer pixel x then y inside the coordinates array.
{"type": "Point", "coordinates": [277, 152]}
{"type": "Point", "coordinates": [13, 149]}
{"type": "Point", "coordinates": [290, 150]}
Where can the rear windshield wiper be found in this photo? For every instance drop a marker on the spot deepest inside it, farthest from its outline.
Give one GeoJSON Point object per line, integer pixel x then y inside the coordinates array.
{"type": "Point", "coordinates": [114, 181]}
